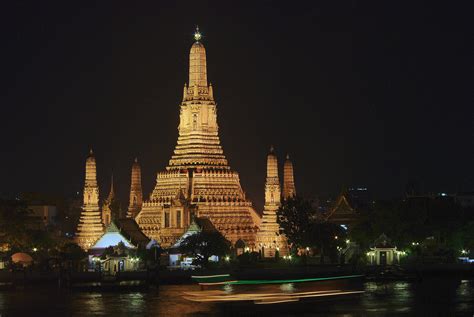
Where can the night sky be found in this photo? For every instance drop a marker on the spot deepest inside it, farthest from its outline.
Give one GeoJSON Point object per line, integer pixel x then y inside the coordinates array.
{"type": "Point", "coordinates": [366, 94]}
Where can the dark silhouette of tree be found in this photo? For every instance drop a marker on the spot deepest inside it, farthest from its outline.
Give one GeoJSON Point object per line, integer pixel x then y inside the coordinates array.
{"type": "Point", "coordinates": [203, 245]}
{"type": "Point", "coordinates": [14, 219]}
{"type": "Point", "coordinates": [295, 217]}
{"type": "Point", "coordinates": [304, 227]}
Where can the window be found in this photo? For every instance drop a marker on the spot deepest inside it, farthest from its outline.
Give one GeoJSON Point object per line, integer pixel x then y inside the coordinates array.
{"type": "Point", "coordinates": [178, 218]}
{"type": "Point", "coordinates": [167, 219]}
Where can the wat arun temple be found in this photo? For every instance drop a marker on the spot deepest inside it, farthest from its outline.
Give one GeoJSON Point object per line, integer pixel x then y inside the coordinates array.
{"type": "Point", "coordinates": [198, 182]}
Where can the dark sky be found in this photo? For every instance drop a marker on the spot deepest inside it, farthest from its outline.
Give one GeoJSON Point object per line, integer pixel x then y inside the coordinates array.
{"type": "Point", "coordinates": [374, 94]}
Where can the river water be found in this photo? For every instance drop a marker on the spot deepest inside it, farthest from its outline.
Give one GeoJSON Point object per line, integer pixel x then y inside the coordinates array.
{"type": "Point", "coordinates": [431, 297]}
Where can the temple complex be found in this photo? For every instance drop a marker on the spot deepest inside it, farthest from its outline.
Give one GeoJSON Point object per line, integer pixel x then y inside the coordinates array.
{"type": "Point", "coordinates": [90, 226]}
{"type": "Point", "coordinates": [289, 189]}
{"type": "Point", "coordinates": [269, 239]}
{"type": "Point", "coordinates": [198, 181]}
{"type": "Point", "coordinates": [136, 194]}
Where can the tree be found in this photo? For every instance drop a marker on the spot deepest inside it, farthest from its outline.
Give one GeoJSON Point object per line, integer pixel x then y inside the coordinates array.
{"type": "Point", "coordinates": [305, 227]}
{"type": "Point", "coordinates": [296, 217]}
{"type": "Point", "coordinates": [203, 245]}
{"type": "Point", "coordinates": [14, 218]}
{"type": "Point", "coordinates": [327, 237]}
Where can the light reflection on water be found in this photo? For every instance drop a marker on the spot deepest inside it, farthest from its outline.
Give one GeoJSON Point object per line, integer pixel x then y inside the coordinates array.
{"type": "Point", "coordinates": [432, 297]}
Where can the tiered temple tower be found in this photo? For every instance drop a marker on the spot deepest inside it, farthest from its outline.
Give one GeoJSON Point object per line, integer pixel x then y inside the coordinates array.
{"type": "Point", "coordinates": [269, 239]}
{"type": "Point", "coordinates": [289, 189]}
{"type": "Point", "coordinates": [198, 180]}
{"type": "Point", "coordinates": [106, 211]}
{"type": "Point", "coordinates": [136, 194]}
{"type": "Point", "coordinates": [90, 226]}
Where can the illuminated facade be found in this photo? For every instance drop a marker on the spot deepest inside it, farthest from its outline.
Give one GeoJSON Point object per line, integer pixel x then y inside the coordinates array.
{"type": "Point", "coordinates": [198, 179]}
{"type": "Point", "coordinates": [268, 239]}
{"type": "Point", "coordinates": [90, 226]}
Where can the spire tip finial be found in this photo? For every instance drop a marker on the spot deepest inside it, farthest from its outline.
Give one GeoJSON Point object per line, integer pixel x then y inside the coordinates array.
{"type": "Point", "coordinates": [197, 34]}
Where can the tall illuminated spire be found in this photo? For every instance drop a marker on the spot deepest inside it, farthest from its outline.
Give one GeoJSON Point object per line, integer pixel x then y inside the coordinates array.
{"type": "Point", "coordinates": [90, 226]}
{"type": "Point", "coordinates": [269, 240]}
{"type": "Point", "coordinates": [106, 211]}
{"type": "Point", "coordinates": [197, 63]}
{"type": "Point", "coordinates": [289, 189]}
{"type": "Point", "coordinates": [198, 141]}
{"type": "Point", "coordinates": [136, 194]}
{"type": "Point", "coordinates": [198, 180]}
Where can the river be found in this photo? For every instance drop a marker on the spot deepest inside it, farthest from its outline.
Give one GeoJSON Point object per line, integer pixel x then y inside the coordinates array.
{"type": "Point", "coordinates": [431, 297]}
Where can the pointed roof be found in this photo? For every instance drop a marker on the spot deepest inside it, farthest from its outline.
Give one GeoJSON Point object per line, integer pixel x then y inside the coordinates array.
{"type": "Point", "coordinates": [123, 230]}
{"type": "Point", "coordinates": [112, 237]}
{"type": "Point", "coordinates": [341, 210]}
{"type": "Point", "coordinates": [383, 242]}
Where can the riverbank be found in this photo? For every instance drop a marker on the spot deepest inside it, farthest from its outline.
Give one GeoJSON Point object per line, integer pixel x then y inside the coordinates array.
{"type": "Point", "coordinates": [177, 277]}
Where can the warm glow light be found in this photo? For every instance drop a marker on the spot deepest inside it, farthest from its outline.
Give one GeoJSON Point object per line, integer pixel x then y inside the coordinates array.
{"type": "Point", "coordinates": [348, 241]}
{"type": "Point", "coordinates": [335, 237]}
{"type": "Point", "coordinates": [35, 249]}
{"type": "Point", "coordinates": [227, 258]}
{"type": "Point", "coordinates": [197, 34]}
